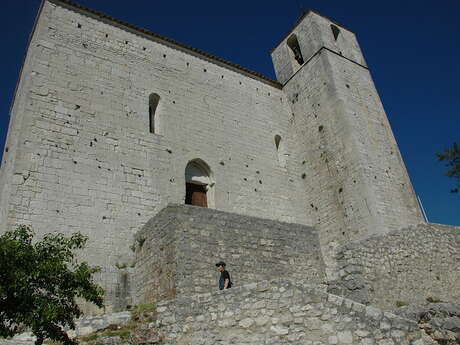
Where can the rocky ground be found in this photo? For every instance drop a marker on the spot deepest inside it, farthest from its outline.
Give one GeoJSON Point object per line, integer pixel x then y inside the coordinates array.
{"type": "Point", "coordinates": [140, 330]}
{"type": "Point", "coordinates": [440, 321]}
{"type": "Point", "coordinates": [136, 327]}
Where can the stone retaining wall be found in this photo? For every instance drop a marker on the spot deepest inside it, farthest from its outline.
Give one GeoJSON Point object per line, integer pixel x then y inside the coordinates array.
{"type": "Point", "coordinates": [280, 312]}
{"type": "Point", "coordinates": [402, 267]}
{"type": "Point", "coordinates": [177, 250]}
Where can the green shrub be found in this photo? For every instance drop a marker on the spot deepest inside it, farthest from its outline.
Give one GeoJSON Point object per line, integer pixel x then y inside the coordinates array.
{"type": "Point", "coordinates": [39, 284]}
{"type": "Point", "coordinates": [433, 300]}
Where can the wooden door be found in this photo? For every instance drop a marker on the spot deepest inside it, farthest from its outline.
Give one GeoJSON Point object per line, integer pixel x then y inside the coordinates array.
{"type": "Point", "coordinates": [196, 195]}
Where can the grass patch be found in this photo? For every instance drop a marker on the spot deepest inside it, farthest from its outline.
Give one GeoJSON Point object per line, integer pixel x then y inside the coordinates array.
{"type": "Point", "coordinates": [140, 314]}
{"type": "Point", "coordinates": [121, 266]}
{"type": "Point", "coordinates": [89, 338]}
{"type": "Point", "coordinates": [145, 312]}
{"type": "Point", "coordinates": [400, 304]}
{"type": "Point", "coordinates": [122, 331]}
{"type": "Point", "coordinates": [52, 342]}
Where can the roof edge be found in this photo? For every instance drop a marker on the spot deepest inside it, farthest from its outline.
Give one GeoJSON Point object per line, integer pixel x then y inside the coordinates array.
{"type": "Point", "coordinates": [302, 16]}
{"type": "Point", "coordinates": [165, 40]}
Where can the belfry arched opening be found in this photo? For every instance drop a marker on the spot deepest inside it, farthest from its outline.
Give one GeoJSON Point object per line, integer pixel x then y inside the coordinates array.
{"type": "Point", "coordinates": [198, 184]}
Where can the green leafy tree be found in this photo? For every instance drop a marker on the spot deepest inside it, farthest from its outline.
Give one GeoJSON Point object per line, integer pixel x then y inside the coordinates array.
{"type": "Point", "coordinates": [39, 284]}
{"type": "Point", "coordinates": [451, 157]}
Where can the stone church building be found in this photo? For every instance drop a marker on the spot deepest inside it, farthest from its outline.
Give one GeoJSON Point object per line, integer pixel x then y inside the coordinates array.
{"type": "Point", "coordinates": [110, 123]}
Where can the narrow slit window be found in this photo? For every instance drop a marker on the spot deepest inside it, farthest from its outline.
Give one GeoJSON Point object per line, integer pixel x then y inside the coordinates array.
{"type": "Point", "coordinates": [277, 142]}
{"type": "Point", "coordinates": [293, 43]}
{"type": "Point", "coordinates": [154, 99]}
{"type": "Point", "coordinates": [281, 151]}
{"type": "Point", "coordinates": [335, 31]}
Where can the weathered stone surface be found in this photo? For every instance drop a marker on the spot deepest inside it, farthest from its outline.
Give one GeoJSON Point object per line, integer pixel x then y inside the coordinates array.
{"type": "Point", "coordinates": [177, 250]}
{"type": "Point", "coordinates": [109, 340]}
{"type": "Point", "coordinates": [88, 325]}
{"type": "Point", "coordinates": [81, 157]}
{"type": "Point", "coordinates": [356, 181]}
{"type": "Point", "coordinates": [145, 335]}
{"type": "Point", "coordinates": [315, 150]}
{"type": "Point", "coordinates": [406, 266]}
{"type": "Point", "coordinates": [308, 316]}
{"type": "Point", "coordinates": [441, 321]}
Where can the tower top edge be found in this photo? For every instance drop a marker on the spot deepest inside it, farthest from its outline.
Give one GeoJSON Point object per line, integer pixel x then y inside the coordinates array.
{"type": "Point", "coordinates": [302, 16]}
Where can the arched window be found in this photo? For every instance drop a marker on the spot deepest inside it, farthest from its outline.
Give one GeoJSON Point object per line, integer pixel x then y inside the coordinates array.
{"type": "Point", "coordinates": [293, 43]}
{"type": "Point", "coordinates": [199, 185]}
{"type": "Point", "coordinates": [154, 99]}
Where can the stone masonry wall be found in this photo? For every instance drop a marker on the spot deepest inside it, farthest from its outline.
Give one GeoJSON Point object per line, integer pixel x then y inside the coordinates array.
{"type": "Point", "coordinates": [81, 157]}
{"type": "Point", "coordinates": [180, 246]}
{"type": "Point", "coordinates": [402, 267]}
{"type": "Point", "coordinates": [355, 178]}
{"type": "Point", "coordinates": [155, 272]}
{"type": "Point", "coordinates": [280, 312]}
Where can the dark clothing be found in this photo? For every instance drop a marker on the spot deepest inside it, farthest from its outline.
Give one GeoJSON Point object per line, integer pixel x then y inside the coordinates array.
{"type": "Point", "coordinates": [224, 275]}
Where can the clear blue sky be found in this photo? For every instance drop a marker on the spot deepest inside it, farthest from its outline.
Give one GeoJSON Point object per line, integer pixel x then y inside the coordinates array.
{"type": "Point", "coordinates": [412, 48]}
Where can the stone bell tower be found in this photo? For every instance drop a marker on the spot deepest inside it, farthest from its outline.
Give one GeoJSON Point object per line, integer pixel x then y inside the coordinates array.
{"type": "Point", "coordinates": [355, 178]}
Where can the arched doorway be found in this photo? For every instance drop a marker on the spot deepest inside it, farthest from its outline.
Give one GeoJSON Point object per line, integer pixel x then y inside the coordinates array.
{"type": "Point", "coordinates": [198, 184]}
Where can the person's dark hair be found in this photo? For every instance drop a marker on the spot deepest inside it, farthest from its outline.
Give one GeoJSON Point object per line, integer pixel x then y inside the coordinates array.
{"type": "Point", "coordinates": [220, 263]}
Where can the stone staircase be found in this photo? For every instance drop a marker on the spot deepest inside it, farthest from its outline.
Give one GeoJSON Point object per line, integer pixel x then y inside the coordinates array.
{"type": "Point", "coordinates": [280, 311]}
{"type": "Point", "coordinates": [274, 312]}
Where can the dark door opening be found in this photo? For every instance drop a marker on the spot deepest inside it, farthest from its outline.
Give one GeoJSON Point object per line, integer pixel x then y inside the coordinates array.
{"type": "Point", "coordinates": [195, 194]}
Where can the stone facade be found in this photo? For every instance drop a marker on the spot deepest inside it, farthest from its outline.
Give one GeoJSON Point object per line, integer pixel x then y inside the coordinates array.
{"type": "Point", "coordinates": [176, 252]}
{"type": "Point", "coordinates": [302, 176]}
{"type": "Point", "coordinates": [81, 157]}
{"type": "Point", "coordinates": [407, 266]}
{"type": "Point", "coordinates": [313, 149]}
